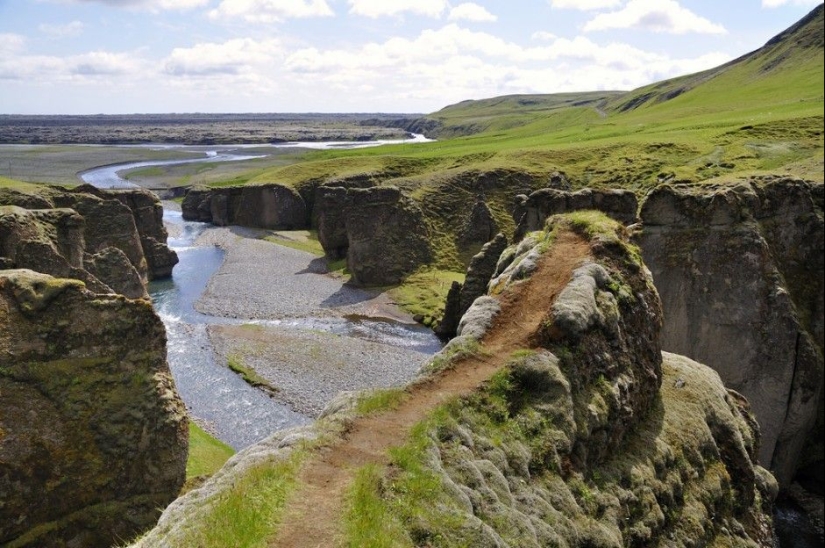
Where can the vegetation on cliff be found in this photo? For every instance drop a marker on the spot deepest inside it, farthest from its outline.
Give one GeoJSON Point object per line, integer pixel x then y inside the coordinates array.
{"type": "Point", "coordinates": [581, 433]}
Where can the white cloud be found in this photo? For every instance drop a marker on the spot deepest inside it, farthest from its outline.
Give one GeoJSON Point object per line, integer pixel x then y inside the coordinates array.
{"type": "Point", "coordinates": [391, 8]}
{"type": "Point", "coordinates": [234, 57]}
{"type": "Point", "coordinates": [11, 43]}
{"type": "Point", "coordinates": [153, 5]}
{"type": "Point", "coordinates": [75, 28]}
{"type": "Point", "coordinates": [471, 12]}
{"type": "Point", "coordinates": [778, 3]}
{"type": "Point", "coordinates": [543, 36]}
{"type": "Point", "coordinates": [450, 64]}
{"type": "Point", "coordinates": [102, 63]}
{"type": "Point", "coordinates": [270, 11]}
{"type": "Point", "coordinates": [584, 5]}
{"type": "Point", "coordinates": [656, 16]}
{"type": "Point", "coordinates": [83, 68]}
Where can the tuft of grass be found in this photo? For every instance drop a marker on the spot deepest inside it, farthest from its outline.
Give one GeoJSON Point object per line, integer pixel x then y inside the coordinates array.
{"type": "Point", "coordinates": [369, 522]}
{"type": "Point", "coordinates": [206, 456]}
{"type": "Point", "coordinates": [425, 292]}
{"type": "Point", "coordinates": [380, 400]}
{"type": "Point", "coordinates": [249, 512]}
{"type": "Point", "coordinates": [236, 363]}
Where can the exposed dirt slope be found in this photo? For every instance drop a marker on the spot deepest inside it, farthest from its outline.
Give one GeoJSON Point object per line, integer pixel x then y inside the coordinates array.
{"type": "Point", "coordinates": [313, 514]}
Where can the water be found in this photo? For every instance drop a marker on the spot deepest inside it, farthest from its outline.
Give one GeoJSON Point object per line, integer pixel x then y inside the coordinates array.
{"type": "Point", "coordinates": [794, 529]}
{"type": "Point", "coordinates": [108, 176]}
{"type": "Point", "coordinates": [235, 412]}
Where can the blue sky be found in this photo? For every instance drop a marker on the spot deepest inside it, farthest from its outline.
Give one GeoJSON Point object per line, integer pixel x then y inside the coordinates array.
{"type": "Point", "coordinates": [129, 56]}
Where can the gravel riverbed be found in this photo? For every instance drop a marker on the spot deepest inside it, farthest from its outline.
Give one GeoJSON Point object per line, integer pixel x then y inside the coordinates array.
{"type": "Point", "coordinates": [308, 334]}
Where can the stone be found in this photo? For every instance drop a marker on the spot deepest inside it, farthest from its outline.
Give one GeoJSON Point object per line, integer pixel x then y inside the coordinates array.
{"type": "Point", "coordinates": [386, 236]}
{"type": "Point", "coordinates": [265, 205]}
{"type": "Point", "coordinates": [531, 212]}
{"type": "Point", "coordinates": [460, 297]}
{"type": "Point", "coordinates": [93, 435]}
{"type": "Point", "coordinates": [478, 229]}
{"type": "Point", "coordinates": [739, 269]}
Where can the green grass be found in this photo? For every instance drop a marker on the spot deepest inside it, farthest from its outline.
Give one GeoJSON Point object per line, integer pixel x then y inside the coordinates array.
{"type": "Point", "coordinates": [302, 240]}
{"type": "Point", "coordinates": [425, 292]}
{"type": "Point", "coordinates": [369, 521]}
{"type": "Point", "coordinates": [382, 510]}
{"type": "Point", "coordinates": [236, 363]}
{"type": "Point", "coordinates": [248, 513]}
{"type": "Point", "coordinates": [5, 182]}
{"type": "Point", "coordinates": [380, 400]}
{"type": "Point", "coordinates": [206, 453]}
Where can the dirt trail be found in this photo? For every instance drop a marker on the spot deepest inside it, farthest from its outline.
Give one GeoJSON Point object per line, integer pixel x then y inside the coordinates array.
{"type": "Point", "coordinates": [312, 518]}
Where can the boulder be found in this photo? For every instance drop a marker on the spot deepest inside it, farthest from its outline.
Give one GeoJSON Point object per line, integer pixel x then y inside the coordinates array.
{"type": "Point", "coordinates": [93, 435]}
{"type": "Point", "coordinates": [479, 228]}
{"type": "Point", "coordinates": [147, 213]}
{"type": "Point", "coordinates": [331, 220]}
{"type": "Point", "coordinates": [461, 296]}
{"type": "Point", "coordinates": [46, 240]}
{"type": "Point", "coordinates": [739, 269]}
{"type": "Point", "coordinates": [108, 223]}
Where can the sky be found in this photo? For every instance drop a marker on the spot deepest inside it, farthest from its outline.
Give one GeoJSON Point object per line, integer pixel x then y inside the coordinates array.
{"type": "Point", "coordinates": [406, 56]}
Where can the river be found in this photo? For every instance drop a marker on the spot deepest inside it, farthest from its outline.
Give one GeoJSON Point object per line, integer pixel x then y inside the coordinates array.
{"type": "Point", "coordinates": [216, 397]}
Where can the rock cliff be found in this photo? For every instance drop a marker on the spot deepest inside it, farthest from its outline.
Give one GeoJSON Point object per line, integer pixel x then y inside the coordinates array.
{"type": "Point", "coordinates": [93, 436]}
{"type": "Point", "coordinates": [268, 205]}
{"type": "Point", "coordinates": [380, 230]}
{"type": "Point", "coordinates": [740, 272]}
{"type": "Point", "coordinates": [530, 212]}
{"type": "Point", "coordinates": [112, 240]}
{"type": "Point", "coordinates": [588, 435]}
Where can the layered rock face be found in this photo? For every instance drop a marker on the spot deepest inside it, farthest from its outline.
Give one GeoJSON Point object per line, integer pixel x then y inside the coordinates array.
{"type": "Point", "coordinates": [740, 273]}
{"type": "Point", "coordinates": [270, 206]}
{"type": "Point", "coordinates": [532, 211]}
{"type": "Point", "coordinates": [93, 436]}
{"type": "Point", "coordinates": [381, 231]}
{"type": "Point", "coordinates": [112, 240]}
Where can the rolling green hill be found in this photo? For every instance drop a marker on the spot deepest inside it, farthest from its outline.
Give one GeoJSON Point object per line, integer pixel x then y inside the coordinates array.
{"type": "Point", "coordinates": [761, 113]}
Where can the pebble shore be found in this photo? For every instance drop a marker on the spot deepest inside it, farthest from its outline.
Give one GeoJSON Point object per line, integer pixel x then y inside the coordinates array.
{"type": "Point", "coordinates": [278, 293]}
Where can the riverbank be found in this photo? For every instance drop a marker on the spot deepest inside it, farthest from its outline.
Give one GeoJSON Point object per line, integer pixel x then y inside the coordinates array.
{"type": "Point", "coordinates": [304, 332]}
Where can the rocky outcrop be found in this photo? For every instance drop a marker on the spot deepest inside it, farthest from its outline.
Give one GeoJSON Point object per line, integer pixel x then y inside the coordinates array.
{"type": "Point", "coordinates": [147, 213]}
{"type": "Point", "coordinates": [478, 229]}
{"type": "Point", "coordinates": [380, 230]}
{"type": "Point", "coordinates": [593, 436]}
{"type": "Point", "coordinates": [109, 226]}
{"type": "Point", "coordinates": [532, 211]}
{"type": "Point", "coordinates": [461, 296]}
{"type": "Point", "coordinates": [270, 206]}
{"type": "Point", "coordinates": [740, 272]}
{"type": "Point", "coordinates": [93, 436]}
{"type": "Point", "coordinates": [49, 241]}
{"type": "Point", "coordinates": [590, 436]}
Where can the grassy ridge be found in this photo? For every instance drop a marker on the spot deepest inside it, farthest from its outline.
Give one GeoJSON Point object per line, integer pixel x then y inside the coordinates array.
{"type": "Point", "coordinates": [761, 112]}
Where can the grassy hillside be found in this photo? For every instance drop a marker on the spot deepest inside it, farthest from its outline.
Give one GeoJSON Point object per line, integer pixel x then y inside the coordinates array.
{"type": "Point", "coordinates": [759, 114]}
{"type": "Point", "coordinates": [762, 112]}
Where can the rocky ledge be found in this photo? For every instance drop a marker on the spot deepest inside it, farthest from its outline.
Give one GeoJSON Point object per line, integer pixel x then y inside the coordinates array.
{"type": "Point", "coordinates": [93, 435]}
{"type": "Point", "coordinates": [113, 240]}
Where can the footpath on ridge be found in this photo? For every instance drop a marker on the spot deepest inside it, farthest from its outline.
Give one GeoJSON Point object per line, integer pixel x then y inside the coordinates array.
{"type": "Point", "coordinates": [313, 516]}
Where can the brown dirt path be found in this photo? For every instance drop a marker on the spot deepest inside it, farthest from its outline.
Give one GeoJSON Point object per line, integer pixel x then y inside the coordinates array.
{"type": "Point", "coordinates": [313, 517]}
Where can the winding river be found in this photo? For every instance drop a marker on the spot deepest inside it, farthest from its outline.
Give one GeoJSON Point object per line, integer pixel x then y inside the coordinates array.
{"type": "Point", "coordinates": [217, 398]}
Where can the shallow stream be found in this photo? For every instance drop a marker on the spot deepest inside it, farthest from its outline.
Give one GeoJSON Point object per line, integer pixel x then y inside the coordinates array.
{"type": "Point", "coordinates": [232, 410]}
